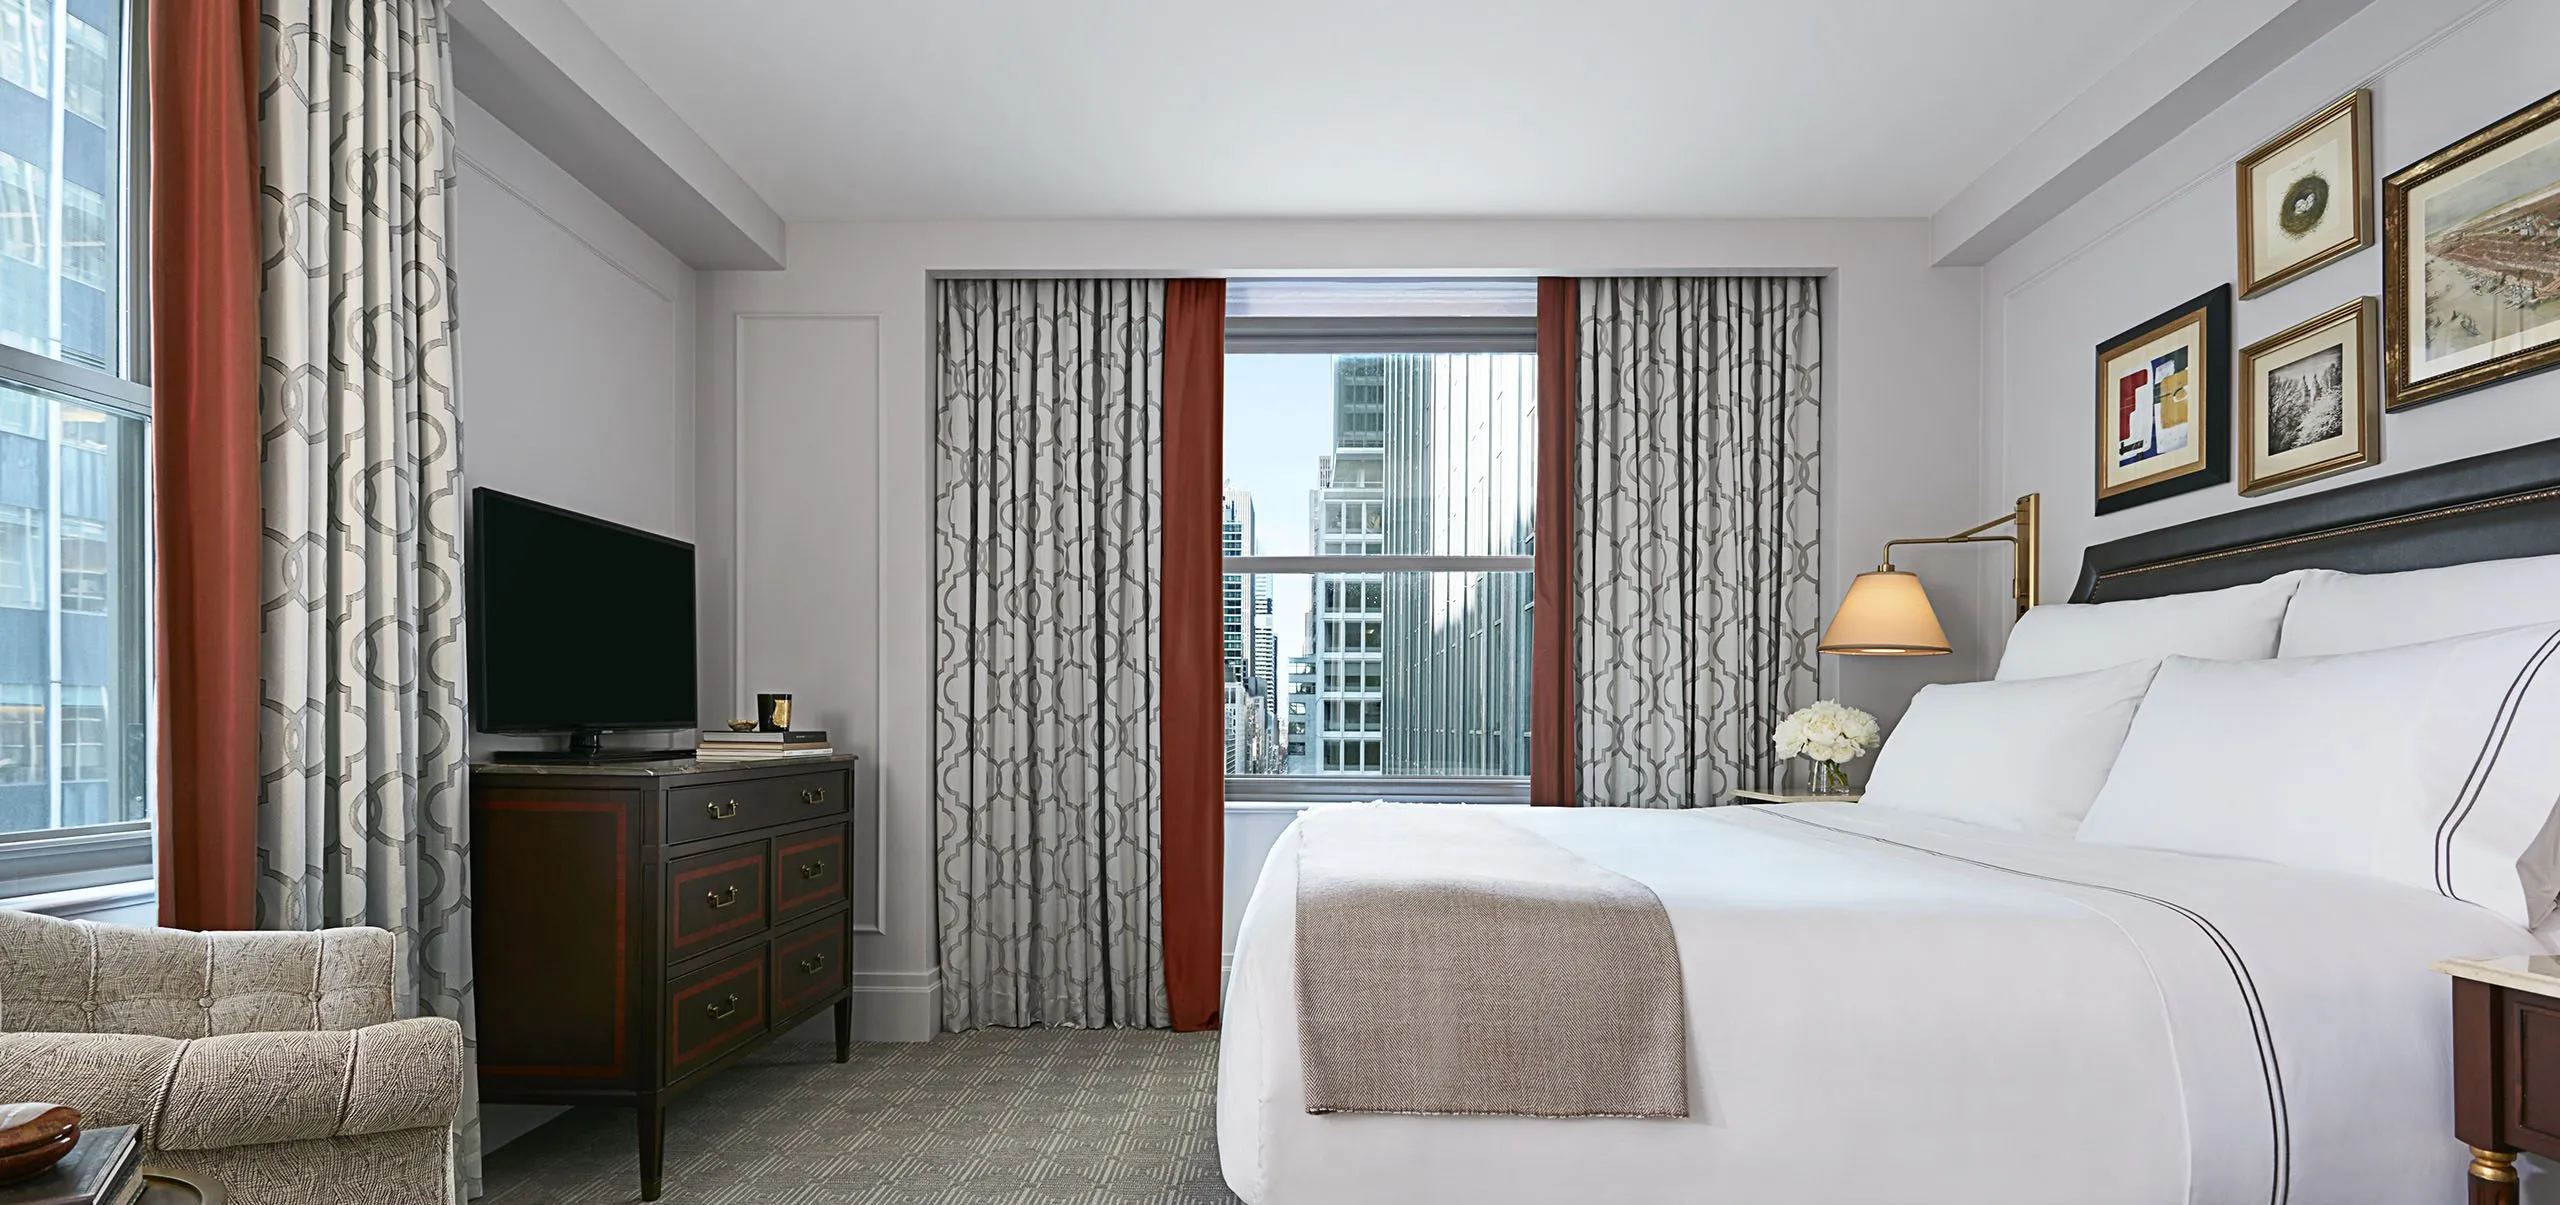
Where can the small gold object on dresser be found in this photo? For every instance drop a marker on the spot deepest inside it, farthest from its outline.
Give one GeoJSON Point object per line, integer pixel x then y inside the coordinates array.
{"type": "Point", "coordinates": [2503, 1102]}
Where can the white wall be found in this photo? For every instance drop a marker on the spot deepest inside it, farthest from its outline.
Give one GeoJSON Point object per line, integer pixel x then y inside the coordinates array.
{"type": "Point", "coordinates": [838, 348]}
{"type": "Point", "coordinates": [576, 358]}
{"type": "Point", "coordinates": [2164, 232]}
{"type": "Point", "coordinates": [576, 349]}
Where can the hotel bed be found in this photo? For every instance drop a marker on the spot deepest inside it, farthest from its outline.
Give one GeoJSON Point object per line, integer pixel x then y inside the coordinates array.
{"type": "Point", "coordinates": [1883, 1004]}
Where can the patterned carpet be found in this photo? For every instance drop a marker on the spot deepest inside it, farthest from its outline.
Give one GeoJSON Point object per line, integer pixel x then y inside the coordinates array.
{"type": "Point", "coordinates": [987, 1118]}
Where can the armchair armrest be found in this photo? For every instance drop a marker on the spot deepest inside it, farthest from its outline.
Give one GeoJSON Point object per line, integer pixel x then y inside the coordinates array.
{"type": "Point", "coordinates": [247, 1089]}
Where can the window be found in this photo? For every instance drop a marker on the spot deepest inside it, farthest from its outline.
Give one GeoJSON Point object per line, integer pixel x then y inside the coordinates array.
{"type": "Point", "coordinates": [74, 623]}
{"type": "Point", "coordinates": [88, 239]}
{"type": "Point", "coordinates": [21, 557]}
{"type": "Point", "coordinates": [1400, 600]}
{"type": "Point", "coordinates": [26, 44]}
{"type": "Point", "coordinates": [25, 196]}
{"type": "Point", "coordinates": [89, 73]}
{"type": "Point", "coordinates": [75, 569]}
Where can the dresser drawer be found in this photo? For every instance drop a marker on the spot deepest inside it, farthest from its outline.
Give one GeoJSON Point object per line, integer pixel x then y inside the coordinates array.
{"type": "Point", "coordinates": [808, 871]}
{"type": "Point", "coordinates": [714, 1009]}
{"type": "Point", "coordinates": [809, 965]}
{"type": "Point", "coordinates": [715, 896]}
{"type": "Point", "coordinates": [698, 813]}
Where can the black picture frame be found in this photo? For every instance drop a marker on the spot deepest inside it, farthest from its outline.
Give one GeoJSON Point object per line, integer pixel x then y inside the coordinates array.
{"type": "Point", "coordinates": [2212, 310]}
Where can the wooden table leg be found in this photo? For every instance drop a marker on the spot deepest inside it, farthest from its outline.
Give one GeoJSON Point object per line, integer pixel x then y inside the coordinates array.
{"type": "Point", "coordinates": [653, 1145]}
{"type": "Point", "coordinates": [844, 1030]}
{"type": "Point", "coordinates": [2493, 1177]}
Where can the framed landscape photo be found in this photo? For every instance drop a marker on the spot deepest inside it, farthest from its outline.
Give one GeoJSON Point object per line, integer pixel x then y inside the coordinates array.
{"type": "Point", "coordinates": [2306, 197]}
{"type": "Point", "coordinates": [2308, 403]}
{"type": "Point", "coordinates": [2164, 405]}
{"type": "Point", "coordinates": [2471, 260]}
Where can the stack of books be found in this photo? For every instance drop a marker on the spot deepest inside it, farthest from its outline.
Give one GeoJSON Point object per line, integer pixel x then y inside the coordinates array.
{"type": "Point", "coordinates": [104, 1169]}
{"type": "Point", "coordinates": [725, 745]}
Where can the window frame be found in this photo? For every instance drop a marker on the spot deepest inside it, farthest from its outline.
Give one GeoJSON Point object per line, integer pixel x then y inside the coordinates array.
{"type": "Point", "coordinates": [1386, 335]}
{"type": "Point", "coordinates": [78, 867]}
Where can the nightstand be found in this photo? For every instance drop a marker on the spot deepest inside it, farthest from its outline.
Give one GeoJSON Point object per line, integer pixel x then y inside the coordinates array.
{"type": "Point", "coordinates": [2502, 1101]}
{"type": "Point", "coordinates": [1787, 797]}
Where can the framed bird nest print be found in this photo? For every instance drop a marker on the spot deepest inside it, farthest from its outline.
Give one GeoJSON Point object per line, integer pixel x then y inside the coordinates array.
{"type": "Point", "coordinates": [2164, 405]}
{"type": "Point", "coordinates": [2471, 260]}
{"type": "Point", "coordinates": [2306, 197]}
{"type": "Point", "coordinates": [2308, 403]}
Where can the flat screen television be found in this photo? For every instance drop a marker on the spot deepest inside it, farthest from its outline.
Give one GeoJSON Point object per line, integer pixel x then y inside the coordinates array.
{"type": "Point", "coordinates": [577, 625]}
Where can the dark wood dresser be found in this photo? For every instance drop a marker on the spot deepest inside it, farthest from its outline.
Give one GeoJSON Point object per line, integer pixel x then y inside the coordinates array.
{"type": "Point", "coordinates": [637, 926]}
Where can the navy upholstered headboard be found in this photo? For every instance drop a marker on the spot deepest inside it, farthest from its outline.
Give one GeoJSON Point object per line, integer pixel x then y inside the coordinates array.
{"type": "Point", "coordinates": [2500, 504]}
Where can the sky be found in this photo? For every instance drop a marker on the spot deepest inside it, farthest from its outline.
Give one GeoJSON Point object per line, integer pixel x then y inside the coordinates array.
{"type": "Point", "coordinates": [1279, 423]}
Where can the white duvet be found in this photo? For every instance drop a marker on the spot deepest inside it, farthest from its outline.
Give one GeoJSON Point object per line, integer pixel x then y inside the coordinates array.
{"type": "Point", "coordinates": [1888, 1007]}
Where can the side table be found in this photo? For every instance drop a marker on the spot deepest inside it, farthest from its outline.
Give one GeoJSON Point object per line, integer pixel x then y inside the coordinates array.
{"type": "Point", "coordinates": [2502, 1100]}
{"type": "Point", "coordinates": [1741, 797]}
{"type": "Point", "coordinates": [165, 1186]}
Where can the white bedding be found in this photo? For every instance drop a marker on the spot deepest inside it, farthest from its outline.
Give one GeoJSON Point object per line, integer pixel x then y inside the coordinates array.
{"type": "Point", "coordinates": [1887, 1006]}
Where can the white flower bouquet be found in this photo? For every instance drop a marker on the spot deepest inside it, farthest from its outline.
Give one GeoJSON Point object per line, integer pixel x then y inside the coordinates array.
{"type": "Point", "coordinates": [1827, 733]}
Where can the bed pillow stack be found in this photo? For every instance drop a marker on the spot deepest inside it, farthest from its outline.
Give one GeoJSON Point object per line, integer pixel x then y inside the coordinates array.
{"type": "Point", "coordinates": [2025, 755]}
{"type": "Point", "coordinates": [2239, 624]}
{"type": "Point", "coordinates": [2336, 612]}
{"type": "Point", "coordinates": [2434, 765]}
{"type": "Point", "coordinates": [2028, 750]}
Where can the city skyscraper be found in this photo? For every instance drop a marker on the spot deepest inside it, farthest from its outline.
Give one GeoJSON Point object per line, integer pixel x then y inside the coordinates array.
{"type": "Point", "coordinates": [1421, 673]}
{"type": "Point", "coordinates": [1251, 649]}
{"type": "Point", "coordinates": [1346, 631]}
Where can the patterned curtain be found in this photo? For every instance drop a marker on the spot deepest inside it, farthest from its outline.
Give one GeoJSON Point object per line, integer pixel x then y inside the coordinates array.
{"type": "Point", "coordinates": [1048, 547]}
{"type": "Point", "coordinates": [1697, 575]}
{"type": "Point", "coordinates": [363, 807]}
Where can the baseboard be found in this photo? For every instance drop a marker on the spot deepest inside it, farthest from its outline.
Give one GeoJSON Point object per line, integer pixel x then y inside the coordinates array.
{"type": "Point", "coordinates": [897, 1006]}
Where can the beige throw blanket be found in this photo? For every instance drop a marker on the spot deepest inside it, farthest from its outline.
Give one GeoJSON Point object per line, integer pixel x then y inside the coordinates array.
{"type": "Point", "coordinates": [1449, 962]}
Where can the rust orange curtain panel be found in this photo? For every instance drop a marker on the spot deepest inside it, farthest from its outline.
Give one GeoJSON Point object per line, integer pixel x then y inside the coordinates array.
{"type": "Point", "coordinates": [204, 372]}
{"type": "Point", "coordinates": [1194, 701]}
{"type": "Point", "coordinates": [1551, 633]}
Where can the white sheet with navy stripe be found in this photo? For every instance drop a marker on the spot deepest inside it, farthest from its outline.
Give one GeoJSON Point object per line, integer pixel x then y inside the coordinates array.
{"type": "Point", "coordinates": [1885, 1006]}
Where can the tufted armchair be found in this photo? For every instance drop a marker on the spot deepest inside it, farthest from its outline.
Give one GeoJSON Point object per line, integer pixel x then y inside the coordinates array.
{"type": "Point", "coordinates": [269, 1060]}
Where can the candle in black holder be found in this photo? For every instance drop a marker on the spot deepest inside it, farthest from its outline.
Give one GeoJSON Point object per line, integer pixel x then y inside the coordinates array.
{"type": "Point", "coordinates": [773, 713]}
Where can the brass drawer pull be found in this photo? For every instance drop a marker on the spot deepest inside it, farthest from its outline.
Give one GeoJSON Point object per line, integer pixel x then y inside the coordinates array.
{"type": "Point", "coordinates": [723, 1010]}
{"type": "Point", "coordinates": [810, 965]}
{"type": "Point", "coordinates": [814, 796]}
{"type": "Point", "coordinates": [723, 809]}
{"type": "Point", "coordinates": [722, 899]}
{"type": "Point", "coordinates": [811, 870]}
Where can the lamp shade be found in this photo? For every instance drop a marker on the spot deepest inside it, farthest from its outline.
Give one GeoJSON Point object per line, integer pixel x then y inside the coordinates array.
{"type": "Point", "coordinates": [1886, 614]}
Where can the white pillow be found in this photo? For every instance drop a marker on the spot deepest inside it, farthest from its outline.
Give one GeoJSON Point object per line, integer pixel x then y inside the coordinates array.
{"type": "Point", "coordinates": [2435, 765]}
{"type": "Point", "coordinates": [2336, 612]}
{"type": "Point", "coordinates": [2237, 624]}
{"type": "Point", "coordinates": [2026, 755]}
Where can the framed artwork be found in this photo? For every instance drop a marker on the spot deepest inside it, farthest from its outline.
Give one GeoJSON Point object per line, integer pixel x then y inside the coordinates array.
{"type": "Point", "coordinates": [2306, 197]}
{"type": "Point", "coordinates": [2471, 260]}
{"type": "Point", "coordinates": [2164, 405]}
{"type": "Point", "coordinates": [2308, 405]}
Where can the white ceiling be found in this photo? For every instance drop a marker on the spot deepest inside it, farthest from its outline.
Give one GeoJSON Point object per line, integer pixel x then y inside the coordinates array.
{"type": "Point", "coordinates": [1372, 108]}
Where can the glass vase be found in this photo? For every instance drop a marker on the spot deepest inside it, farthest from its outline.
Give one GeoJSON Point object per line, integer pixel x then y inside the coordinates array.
{"type": "Point", "coordinates": [1825, 778]}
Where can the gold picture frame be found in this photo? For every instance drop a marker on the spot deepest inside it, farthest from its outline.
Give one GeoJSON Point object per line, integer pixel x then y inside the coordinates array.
{"type": "Point", "coordinates": [2309, 402]}
{"type": "Point", "coordinates": [2475, 227]}
{"type": "Point", "coordinates": [2293, 220]}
